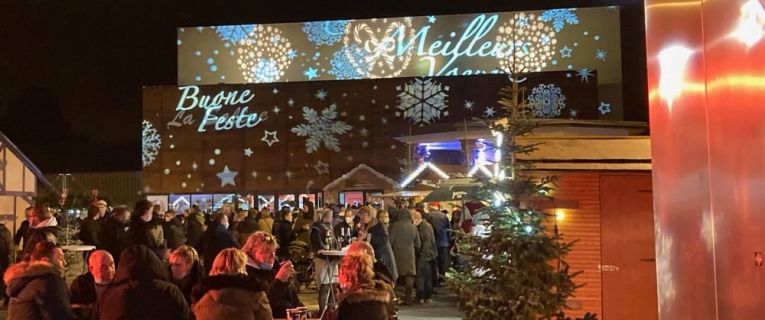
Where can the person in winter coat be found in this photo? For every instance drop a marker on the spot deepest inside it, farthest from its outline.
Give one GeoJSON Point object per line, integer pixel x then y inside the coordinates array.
{"type": "Point", "coordinates": [284, 235]}
{"type": "Point", "coordinates": [303, 223]}
{"type": "Point", "coordinates": [195, 226]}
{"type": "Point", "coordinates": [346, 228]}
{"type": "Point", "coordinates": [425, 257]}
{"type": "Point", "coordinates": [37, 287]}
{"type": "Point", "coordinates": [90, 228]}
{"type": "Point", "coordinates": [441, 228]}
{"type": "Point", "coordinates": [22, 234]}
{"type": "Point", "coordinates": [140, 290]}
{"type": "Point", "coordinates": [174, 230]}
{"type": "Point", "coordinates": [185, 270]}
{"type": "Point", "coordinates": [6, 252]}
{"type": "Point", "coordinates": [248, 226]}
{"type": "Point", "coordinates": [260, 249]}
{"type": "Point", "coordinates": [147, 230]}
{"type": "Point", "coordinates": [372, 231]}
{"type": "Point", "coordinates": [226, 293]}
{"type": "Point", "coordinates": [44, 228]}
{"type": "Point", "coordinates": [266, 222]}
{"type": "Point", "coordinates": [363, 297]}
{"type": "Point", "coordinates": [405, 241]}
{"type": "Point", "coordinates": [216, 238]}
{"type": "Point", "coordinates": [87, 288]}
{"type": "Point", "coordinates": [116, 234]}
{"type": "Point", "coordinates": [384, 217]}
{"type": "Point", "coordinates": [322, 239]}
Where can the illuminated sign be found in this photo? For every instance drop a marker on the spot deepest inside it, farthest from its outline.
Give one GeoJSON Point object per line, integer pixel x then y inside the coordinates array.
{"type": "Point", "coordinates": [531, 41]}
{"type": "Point", "coordinates": [240, 118]}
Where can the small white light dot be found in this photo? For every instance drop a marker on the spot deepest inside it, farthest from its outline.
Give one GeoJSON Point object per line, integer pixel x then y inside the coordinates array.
{"type": "Point", "coordinates": [217, 152]}
{"type": "Point", "coordinates": [188, 176]}
{"type": "Point", "coordinates": [167, 171]}
{"type": "Point", "coordinates": [183, 185]}
{"type": "Point", "coordinates": [172, 146]}
{"type": "Point", "coordinates": [212, 162]}
{"type": "Point", "coordinates": [178, 163]}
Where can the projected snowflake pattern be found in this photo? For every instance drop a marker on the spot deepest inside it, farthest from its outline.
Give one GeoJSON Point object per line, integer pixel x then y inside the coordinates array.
{"type": "Point", "coordinates": [150, 143]}
{"type": "Point", "coordinates": [234, 33]}
{"type": "Point", "coordinates": [525, 50]}
{"type": "Point", "coordinates": [264, 50]}
{"type": "Point", "coordinates": [546, 101]}
{"type": "Point", "coordinates": [422, 101]}
{"type": "Point", "coordinates": [325, 32]}
{"type": "Point", "coordinates": [343, 63]}
{"type": "Point", "coordinates": [560, 17]}
{"type": "Point", "coordinates": [321, 129]}
{"type": "Point", "coordinates": [377, 37]}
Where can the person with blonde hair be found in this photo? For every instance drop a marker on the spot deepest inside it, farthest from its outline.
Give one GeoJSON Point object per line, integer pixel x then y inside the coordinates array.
{"type": "Point", "coordinates": [372, 231]}
{"type": "Point", "coordinates": [185, 269]}
{"type": "Point", "coordinates": [260, 249]}
{"type": "Point", "coordinates": [363, 297]}
{"type": "Point", "coordinates": [226, 293]}
{"type": "Point", "coordinates": [266, 222]}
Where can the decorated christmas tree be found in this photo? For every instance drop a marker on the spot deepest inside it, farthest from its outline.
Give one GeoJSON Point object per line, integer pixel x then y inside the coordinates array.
{"type": "Point", "coordinates": [515, 262]}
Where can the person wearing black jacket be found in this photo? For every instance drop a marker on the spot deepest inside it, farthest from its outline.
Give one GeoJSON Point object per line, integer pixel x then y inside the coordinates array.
{"type": "Point", "coordinates": [174, 230]}
{"type": "Point", "coordinates": [284, 234]}
{"type": "Point", "coordinates": [195, 226]}
{"type": "Point", "coordinates": [185, 270]}
{"type": "Point", "coordinates": [140, 290]}
{"type": "Point", "coordinates": [261, 260]}
{"type": "Point", "coordinates": [248, 226]}
{"type": "Point", "coordinates": [215, 239]}
{"type": "Point", "coordinates": [147, 230]}
{"type": "Point", "coordinates": [44, 228]}
{"type": "Point", "coordinates": [90, 228]}
{"type": "Point", "coordinates": [22, 234]}
{"type": "Point", "coordinates": [116, 233]}
{"type": "Point", "coordinates": [87, 288]}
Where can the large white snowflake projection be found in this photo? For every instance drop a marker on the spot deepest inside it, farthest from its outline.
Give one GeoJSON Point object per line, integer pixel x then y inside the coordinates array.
{"type": "Point", "coordinates": [378, 38]}
{"type": "Point", "coordinates": [263, 54]}
{"type": "Point", "coordinates": [234, 33]}
{"type": "Point", "coordinates": [150, 143]}
{"type": "Point", "coordinates": [325, 32]}
{"type": "Point", "coordinates": [349, 63]}
{"type": "Point", "coordinates": [422, 101]}
{"type": "Point", "coordinates": [529, 44]}
{"type": "Point", "coordinates": [546, 101]}
{"type": "Point", "coordinates": [321, 128]}
{"type": "Point", "coordinates": [560, 17]}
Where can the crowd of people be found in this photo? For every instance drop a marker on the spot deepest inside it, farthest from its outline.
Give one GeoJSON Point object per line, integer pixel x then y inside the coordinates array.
{"type": "Point", "coordinates": [150, 264]}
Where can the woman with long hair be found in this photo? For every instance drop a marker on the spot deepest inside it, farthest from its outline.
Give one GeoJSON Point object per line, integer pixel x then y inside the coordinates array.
{"type": "Point", "coordinates": [362, 296]}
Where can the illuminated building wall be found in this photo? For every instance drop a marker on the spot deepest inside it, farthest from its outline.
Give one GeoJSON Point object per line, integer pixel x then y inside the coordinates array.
{"type": "Point", "coordinates": [706, 75]}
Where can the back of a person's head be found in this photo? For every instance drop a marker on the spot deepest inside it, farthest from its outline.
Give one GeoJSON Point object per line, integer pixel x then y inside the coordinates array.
{"type": "Point", "coordinates": [139, 263]}
{"type": "Point", "coordinates": [355, 269]}
{"type": "Point", "coordinates": [257, 240]}
{"type": "Point", "coordinates": [361, 247]}
{"type": "Point", "coordinates": [43, 250]}
{"type": "Point", "coordinates": [141, 206]}
{"type": "Point", "coordinates": [229, 261]}
{"type": "Point", "coordinates": [41, 212]}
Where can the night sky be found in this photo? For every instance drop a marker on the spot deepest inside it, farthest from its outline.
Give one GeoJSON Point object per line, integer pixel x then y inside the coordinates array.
{"type": "Point", "coordinates": [71, 72]}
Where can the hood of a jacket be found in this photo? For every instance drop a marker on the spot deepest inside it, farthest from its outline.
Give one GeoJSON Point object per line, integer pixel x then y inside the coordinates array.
{"type": "Point", "coordinates": [20, 274]}
{"type": "Point", "coordinates": [375, 291]}
{"type": "Point", "coordinates": [403, 215]}
{"type": "Point", "coordinates": [139, 263]}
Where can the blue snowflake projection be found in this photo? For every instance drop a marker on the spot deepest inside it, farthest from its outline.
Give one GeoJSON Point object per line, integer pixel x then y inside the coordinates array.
{"type": "Point", "coordinates": [604, 108]}
{"type": "Point", "coordinates": [310, 73]}
{"type": "Point", "coordinates": [560, 17]}
{"type": "Point", "coordinates": [546, 101]}
{"type": "Point", "coordinates": [601, 54]}
{"type": "Point", "coordinates": [325, 32]}
{"type": "Point", "coordinates": [321, 129]}
{"type": "Point", "coordinates": [234, 33]}
{"type": "Point", "coordinates": [584, 74]}
{"type": "Point", "coordinates": [265, 71]}
{"type": "Point", "coordinates": [349, 63]}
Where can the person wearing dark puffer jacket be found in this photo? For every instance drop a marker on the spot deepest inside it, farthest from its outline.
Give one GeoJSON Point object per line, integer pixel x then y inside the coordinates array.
{"type": "Point", "coordinates": [363, 297]}
{"type": "Point", "coordinates": [248, 226]}
{"type": "Point", "coordinates": [226, 293]}
{"type": "Point", "coordinates": [260, 249]}
{"type": "Point", "coordinates": [36, 287]}
{"type": "Point", "coordinates": [140, 290]}
{"type": "Point", "coordinates": [116, 234]}
{"type": "Point", "coordinates": [174, 230]}
{"type": "Point", "coordinates": [147, 229]}
{"type": "Point", "coordinates": [215, 239]}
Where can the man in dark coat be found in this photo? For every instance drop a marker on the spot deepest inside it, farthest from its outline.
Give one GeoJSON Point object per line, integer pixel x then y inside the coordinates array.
{"type": "Point", "coordinates": [215, 239]}
{"type": "Point", "coordinates": [248, 226]}
{"type": "Point", "coordinates": [346, 228]}
{"type": "Point", "coordinates": [372, 231]}
{"type": "Point", "coordinates": [90, 228]}
{"type": "Point", "coordinates": [174, 230]}
{"type": "Point", "coordinates": [195, 226]}
{"type": "Point", "coordinates": [147, 230]}
{"type": "Point", "coordinates": [441, 229]}
{"type": "Point", "coordinates": [37, 287]}
{"type": "Point", "coordinates": [140, 290]}
{"type": "Point", "coordinates": [44, 228]}
{"type": "Point", "coordinates": [284, 235]}
{"type": "Point", "coordinates": [87, 288]}
{"type": "Point", "coordinates": [261, 260]}
{"type": "Point", "coordinates": [425, 257]}
{"type": "Point", "coordinates": [405, 241]}
{"type": "Point", "coordinates": [116, 234]}
{"type": "Point", "coordinates": [22, 234]}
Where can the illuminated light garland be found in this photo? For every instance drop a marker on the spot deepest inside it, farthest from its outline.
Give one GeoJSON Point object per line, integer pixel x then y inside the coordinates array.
{"type": "Point", "coordinates": [378, 40]}
{"type": "Point", "coordinates": [529, 44]}
{"type": "Point", "coordinates": [420, 169]}
{"type": "Point", "coordinates": [264, 54]}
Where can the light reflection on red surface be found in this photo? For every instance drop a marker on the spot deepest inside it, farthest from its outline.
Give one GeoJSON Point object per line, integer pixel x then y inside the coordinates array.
{"type": "Point", "coordinates": [709, 158]}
